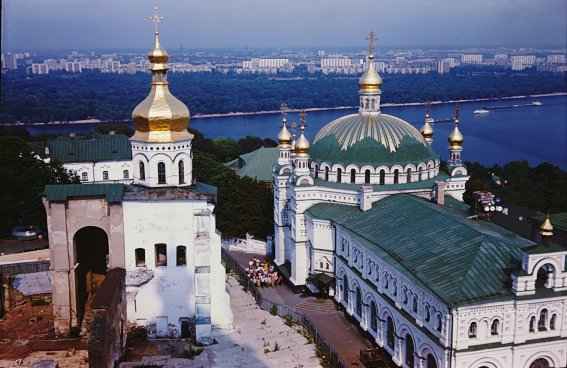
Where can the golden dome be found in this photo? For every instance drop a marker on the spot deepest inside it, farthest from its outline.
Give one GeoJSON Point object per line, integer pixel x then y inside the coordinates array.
{"type": "Point", "coordinates": [427, 130]}
{"type": "Point", "coordinates": [284, 137]}
{"type": "Point", "coordinates": [456, 138]}
{"type": "Point", "coordinates": [546, 228]}
{"type": "Point", "coordinates": [302, 144]}
{"type": "Point", "coordinates": [160, 117]}
{"type": "Point", "coordinates": [370, 81]}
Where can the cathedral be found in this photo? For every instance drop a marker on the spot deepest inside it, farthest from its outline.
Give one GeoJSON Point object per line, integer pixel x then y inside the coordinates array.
{"type": "Point", "coordinates": [155, 222]}
{"type": "Point", "coordinates": [366, 203]}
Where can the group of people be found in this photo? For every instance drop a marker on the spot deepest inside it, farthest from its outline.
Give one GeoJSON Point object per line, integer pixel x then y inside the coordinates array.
{"type": "Point", "coordinates": [261, 273]}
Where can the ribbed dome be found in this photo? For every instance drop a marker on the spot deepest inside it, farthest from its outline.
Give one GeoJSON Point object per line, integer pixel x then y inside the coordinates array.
{"type": "Point", "coordinates": [456, 138]}
{"type": "Point", "coordinates": [370, 138]}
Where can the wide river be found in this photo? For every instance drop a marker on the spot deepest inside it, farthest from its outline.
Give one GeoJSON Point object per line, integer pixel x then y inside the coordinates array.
{"type": "Point", "coordinates": [535, 134]}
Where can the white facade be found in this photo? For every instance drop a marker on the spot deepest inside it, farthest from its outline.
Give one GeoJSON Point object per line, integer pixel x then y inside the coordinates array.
{"type": "Point", "coordinates": [101, 172]}
{"type": "Point", "coordinates": [471, 58]}
{"type": "Point", "coordinates": [185, 283]}
{"type": "Point", "coordinates": [521, 62]}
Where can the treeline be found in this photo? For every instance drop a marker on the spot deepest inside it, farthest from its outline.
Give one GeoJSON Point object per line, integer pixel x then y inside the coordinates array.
{"type": "Point", "coordinates": [60, 96]}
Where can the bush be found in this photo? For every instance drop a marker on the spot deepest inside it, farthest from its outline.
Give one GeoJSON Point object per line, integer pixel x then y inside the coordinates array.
{"type": "Point", "coordinates": [274, 310]}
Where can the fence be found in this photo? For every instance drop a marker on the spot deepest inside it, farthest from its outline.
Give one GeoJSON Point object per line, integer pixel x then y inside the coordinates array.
{"type": "Point", "coordinates": [325, 350]}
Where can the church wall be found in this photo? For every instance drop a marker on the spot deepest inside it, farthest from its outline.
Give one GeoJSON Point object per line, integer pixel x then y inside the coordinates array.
{"type": "Point", "coordinates": [94, 171]}
{"type": "Point", "coordinates": [151, 154]}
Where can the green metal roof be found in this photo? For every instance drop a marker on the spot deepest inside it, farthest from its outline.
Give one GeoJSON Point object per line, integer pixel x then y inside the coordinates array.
{"type": "Point", "coordinates": [257, 164]}
{"type": "Point", "coordinates": [113, 193]}
{"type": "Point", "coordinates": [93, 149]}
{"type": "Point", "coordinates": [459, 260]}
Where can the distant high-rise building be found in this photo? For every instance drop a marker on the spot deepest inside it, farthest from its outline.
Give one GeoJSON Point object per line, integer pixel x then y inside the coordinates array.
{"type": "Point", "coordinates": [40, 68]}
{"type": "Point", "coordinates": [11, 61]}
{"type": "Point", "coordinates": [73, 67]}
{"type": "Point", "coordinates": [471, 58]}
{"type": "Point", "coordinates": [521, 62]}
{"type": "Point", "coordinates": [556, 59]}
{"type": "Point", "coordinates": [446, 64]}
{"type": "Point", "coordinates": [501, 59]}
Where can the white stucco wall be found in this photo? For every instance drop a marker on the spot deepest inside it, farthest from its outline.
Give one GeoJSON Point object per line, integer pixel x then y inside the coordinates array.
{"type": "Point", "coordinates": [94, 171]}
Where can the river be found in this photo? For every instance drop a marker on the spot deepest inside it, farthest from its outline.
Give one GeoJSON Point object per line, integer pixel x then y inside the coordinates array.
{"type": "Point", "coordinates": [535, 134]}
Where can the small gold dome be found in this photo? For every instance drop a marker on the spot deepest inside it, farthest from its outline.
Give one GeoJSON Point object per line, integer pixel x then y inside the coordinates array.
{"type": "Point", "coordinates": [302, 144]}
{"type": "Point", "coordinates": [546, 228]}
{"type": "Point", "coordinates": [284, 137]}
{"type": "Point", "coordinates": [370, 81]}
{"type": "Point", "coordinates": [456, 138]}
{"type": "Point", "coordinates": [427, 130]}
{"type": "Point", "coordinates": [158, 55]}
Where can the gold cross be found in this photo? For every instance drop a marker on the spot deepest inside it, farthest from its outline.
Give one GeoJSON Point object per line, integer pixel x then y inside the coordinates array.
{"type": "Point", "coordinates": [457, 113]}
{"type": "Point", "coordinates": [155, 19]}
{"type": "Point", "coordinates": [371, 42]}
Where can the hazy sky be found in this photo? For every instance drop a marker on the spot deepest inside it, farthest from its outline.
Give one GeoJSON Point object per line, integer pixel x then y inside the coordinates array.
{"type": "Point", "coordinates": [86, 24]}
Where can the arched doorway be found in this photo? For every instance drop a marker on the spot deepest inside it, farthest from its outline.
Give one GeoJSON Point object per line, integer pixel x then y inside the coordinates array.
{"type": "Point", "coordinates": [409, 351]}
{"type": "Point", "coordinates": [540, 363]}
{"type": "Point", "coordinates": [91, 257]}
{"type": "Point", "coordinates": [431, 361]}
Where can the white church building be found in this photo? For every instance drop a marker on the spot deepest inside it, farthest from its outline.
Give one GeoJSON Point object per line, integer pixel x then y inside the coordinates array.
{"type": "Point", "coordinates": [367, 204]}
{"type": "Point", "coordinates": [141, 210]}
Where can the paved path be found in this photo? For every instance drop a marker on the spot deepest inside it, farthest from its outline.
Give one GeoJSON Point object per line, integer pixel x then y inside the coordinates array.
{"type": "Point", "coordinates": [342, 335]}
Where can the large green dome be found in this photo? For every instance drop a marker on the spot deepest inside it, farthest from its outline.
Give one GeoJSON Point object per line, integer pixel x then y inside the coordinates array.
{"type": "Point", "coordinates": [374, 139]}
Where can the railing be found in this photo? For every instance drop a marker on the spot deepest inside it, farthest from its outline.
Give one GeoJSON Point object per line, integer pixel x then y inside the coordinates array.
{"type": "Point", "coordinates": [325, 351]}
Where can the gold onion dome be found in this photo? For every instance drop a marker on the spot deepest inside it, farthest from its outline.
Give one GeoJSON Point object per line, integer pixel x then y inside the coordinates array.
{"type": "Point", "coordinates": [160, 117]}
{"type": "Point", "coordinates": [284, 137]}
{"type": "Point", "coordinates": [427, 130]}
{"type": "Point", "coordinates": [302, 144]}
{"type": "Point", "coordinates": [546, 228]}
{"type": "Point", "coordinates": [370, 81]}
{"type": "Point", "coordinates": [456, 138]}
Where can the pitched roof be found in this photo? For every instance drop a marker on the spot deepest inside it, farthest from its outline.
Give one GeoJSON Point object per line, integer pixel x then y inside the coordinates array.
{"type": "Point", "coordinates": [459, 260]}
{"type": "Point", "coordinates": [113, 193]}
{"type": "Point", "coordinates": [93, 149]}
{"type": "Point", "coordinates": [256, 164]}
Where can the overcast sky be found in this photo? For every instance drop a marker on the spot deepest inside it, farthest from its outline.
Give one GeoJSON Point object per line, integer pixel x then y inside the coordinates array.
{"type": "Point", "coordinates": [89, 24]}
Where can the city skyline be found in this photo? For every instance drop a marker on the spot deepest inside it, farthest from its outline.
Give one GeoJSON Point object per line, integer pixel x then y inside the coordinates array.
{"type": "Point", "coordinates": [66, 24]}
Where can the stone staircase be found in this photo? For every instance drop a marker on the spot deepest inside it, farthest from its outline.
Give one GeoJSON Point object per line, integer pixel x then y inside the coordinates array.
{"type": "Point", "coordinates": [313, 305]}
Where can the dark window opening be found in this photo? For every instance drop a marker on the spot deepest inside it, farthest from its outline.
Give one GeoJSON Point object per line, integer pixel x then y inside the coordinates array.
{"type": "Point", "coordinates": [396, 176]}
{"type": "Point", "coordinates": [181, 167]}
{"type": "Point", "coordinates": [353, 176]}
{"type": "Point", "coordinates": [161, 173]}
{"type": "Point", "coordinates": [140, 257]}
{"type": "Point", "coordinates": [142, 171]}
{"type": "Point", "coordinates": [181, 255]}
{"type": "Point", "coordinates": [367, 176]}
{"type": "Point", "coordinates": [339, 175]}
{"type": "Point", "coordinates": [382, 177]}
{"type": "Point", "coordinates": [161, 255]}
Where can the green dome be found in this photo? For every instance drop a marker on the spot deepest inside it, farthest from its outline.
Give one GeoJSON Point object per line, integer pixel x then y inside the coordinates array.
{"type": "Point", "coordinates": [374, 139]}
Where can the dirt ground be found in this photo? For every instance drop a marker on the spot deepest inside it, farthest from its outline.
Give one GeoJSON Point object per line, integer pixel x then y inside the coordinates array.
{"type": "Point", "coordinates": [64, 359]}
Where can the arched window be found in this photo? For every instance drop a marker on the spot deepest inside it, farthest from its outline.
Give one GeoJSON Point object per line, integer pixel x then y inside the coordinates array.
{"type": "Point", "coordinates": [339, 175]}
{"type": "Point", "coordinates": [140, 254]}
{"type": "Point", "coordinates": [409, 351]}
{"type": "Point", "coordinates": [532, 324]}
{"type": "Point", "coordinates": [352, 176]}
{"type": "Point", "coordinates": [382, 177]}
{"type": "Point", "coordinates": [181, 169]}
{"type": "Point", "coordinates": [408, 179]}
{"type": "Point", "coordinates": [84, 176]}
{"type": "Point", "coordinates": [358, 302]}
{"type": "Point", "coordinates": [472, 330]}
{"type": "Point", "coordinates": [414, 306]}
{"type": "Point", "coordinates": [439, 323]}
{"type": "Point", "coordinates": [125, 174]}
{"type": "Point", "coordinates": [161, 173]}
{"type": "Point", "coordinates": [142, 171]}
{"type": "Point", "coordinates": [327, 173]}
{"type": "Point", "coordinates": [427, 314]}
{"type": "Point", "coordinates": [367, 176]}
{"type": "Point", "coordinates": [105, 175]}
{"type": "Point", "coordinates": [345, 289]}
{"type": "Point", "coordinates": [421, 173]}
{"type": "Point", "coordinates": [181, 255]}
{"type": "Point", "coordinates": [540, 363]}
{"type": "Point", "coordinates": [161, 255]}
{"type": "Point", "coordinates": [542, 323]}
{"type": "Point", "coordinates": [544, 276]}
{"type": "Point", "coordinates": [391, 334]}
{"type": "Point", "coordinates": [553, 322]}
{"type": "Point", "coordinates": [373, 317]}
{"type": "Point", "coordinates": [396, 176]}
{"type": "Point", "coordinates": [316, 171]}
{"type": "Point", "coordinates": [431, 361]}
{"type": "Point", "coordinates": [405, 293]}
{"type": "Point", "coordinates": [495, 327]}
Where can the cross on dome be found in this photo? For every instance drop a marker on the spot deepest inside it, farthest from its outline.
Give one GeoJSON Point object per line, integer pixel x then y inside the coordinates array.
{"type": "Point", "coordinates": [155, 19]}
{"type": "Point", "coordinates": [371, 43]}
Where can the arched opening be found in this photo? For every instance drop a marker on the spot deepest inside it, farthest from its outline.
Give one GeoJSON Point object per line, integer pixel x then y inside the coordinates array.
{"type": "Point", "coordinates": [553, 322]}
{"type": "Point", "coordinates": [540, 363]}
{"type": "Point", "coordinates": [91, 251]}
{"type": "Point", "coordinates": [542, 322]}
{"type": "Point", "coordinates": [316, 171]}
{"type": "Point", "coordinates": [125, 174]}
{"type": "Point", "coordinates": [396, 176]}
{"type": "Point", "coordinates": [142, 171]}
{"type": "Point", "coordinates": [367, 177]}
{"type": "Point", "coordinates": [409, 351]}
{"type": "Point", "coordinates": [472, 330]}
{"type": "Point", "coordinates": [161, 173]}
{"type": "Point", "coordinates": [352, 176]}
{"type": "Point", "coordinates": [421, 171]}
{"type": "Point", "coordinates": [532, 324]}
{"type": "Point", "coordinates": [382, 177]}
{"type": "Point", "coordinates": [439, 323]}
{"type": "Point", "coordinates": [339, 175]}
{"type": "Point", "coordinates": [327, 173]}
{"type": "Point", "coordinates": [358, 302]}
{"type": "Point", "coordinates": [414, 305]}
{"type": "Point", "coordinates": [545, 277]}
{"type": "Point", "coordinates": [181, 255]}
{"type": "Point", "coordinates": [373, 316]}
{"type": "Point", "coordinates": [495, 327]}
{"type": "Point", "coordinates": [140, 254]}
{"type": "Point", "coordinates": [181, 169]}
{"type": "Point", "coordinates": [345, 289]}
{"type": "Point", "coordinates": [427, 314]}
{"type": "Point", "coordinates": [390, 334]}
{"type": "Point", "coordinates": [408, 174]}
{"type": "Point", "coordinates": [431, 361]}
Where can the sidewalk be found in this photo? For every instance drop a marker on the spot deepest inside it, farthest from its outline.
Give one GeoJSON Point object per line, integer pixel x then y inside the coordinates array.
{"type": "Point", "coordinates": [345, 338]}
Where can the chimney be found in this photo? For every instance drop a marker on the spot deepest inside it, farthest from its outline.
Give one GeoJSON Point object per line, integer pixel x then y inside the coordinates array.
{"type": "Point", "coordinates": [440, 193]}
{"type": "Point", "coordinates": [365, 200]}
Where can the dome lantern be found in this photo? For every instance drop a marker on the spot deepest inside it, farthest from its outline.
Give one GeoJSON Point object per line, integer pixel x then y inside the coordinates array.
{"type": "Point", "coordinates": [546, 228]}
{"type": "Point", "coordinates": [427, 129]}
{"type": "Point", "coordinates": [370, 82]}
{"type": "Point", "coordinates": [456, 138]}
